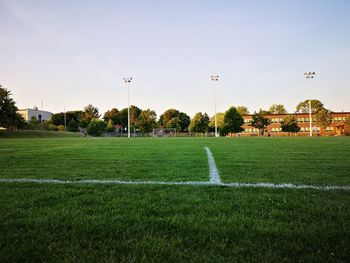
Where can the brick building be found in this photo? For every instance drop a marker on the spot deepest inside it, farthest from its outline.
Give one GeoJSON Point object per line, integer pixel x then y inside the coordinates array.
{"type": "Point", "coordinates": [337, 127]}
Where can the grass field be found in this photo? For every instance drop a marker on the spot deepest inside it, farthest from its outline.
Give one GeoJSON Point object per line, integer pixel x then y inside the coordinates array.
{"type": "Point", "coordinates": [81, 222]}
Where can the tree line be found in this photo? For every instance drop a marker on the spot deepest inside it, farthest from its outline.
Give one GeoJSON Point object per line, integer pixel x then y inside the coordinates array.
{"type": "Point", "coordinates": [144, 121]}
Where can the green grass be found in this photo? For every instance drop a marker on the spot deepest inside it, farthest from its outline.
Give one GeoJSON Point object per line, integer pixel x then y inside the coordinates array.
{"type": "Point", "coordinates": [172, 224]}
{"type": "Point", "coordinates": [36, 134]}
{"type": "Point", "coordinates": [320, 161]}
{"type": "Point", "coordinates": [135, 223]}
{"type": "Point", "coordinates": [104, 158]}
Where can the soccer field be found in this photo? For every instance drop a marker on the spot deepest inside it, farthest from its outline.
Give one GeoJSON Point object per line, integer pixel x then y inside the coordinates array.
{"type": "Point", "coordinates": [87, 212]}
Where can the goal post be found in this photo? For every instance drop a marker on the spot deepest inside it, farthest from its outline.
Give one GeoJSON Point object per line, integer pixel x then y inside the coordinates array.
{"type": "Point", "coordinates": [164, 132]}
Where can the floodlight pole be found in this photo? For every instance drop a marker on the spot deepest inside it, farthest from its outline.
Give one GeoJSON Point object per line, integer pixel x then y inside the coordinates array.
{"type": "Point", "coordinates": [128, 81]}
{"type": "Point", "coordinates": [215, 78]}
{"type": "Point", "coordinates": [309, 76]}
{"type": "Point", "coordinates": [65, 119]}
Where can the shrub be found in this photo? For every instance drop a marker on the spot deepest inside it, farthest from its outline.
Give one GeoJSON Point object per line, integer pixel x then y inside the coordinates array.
{"type": "Point", "coordinates": [96, 127]}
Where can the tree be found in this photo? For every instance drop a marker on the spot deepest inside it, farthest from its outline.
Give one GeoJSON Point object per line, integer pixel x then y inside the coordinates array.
{"type": "Point", "coordinates": [290, 124]}
{"type": "Point", "coordinates": [113, 115]}
{"type": "Point", "coordinates": [220, 121]}
{"type": "Point", "coordinates": [167, 116]}
{"type": "Point", "coordinates": [174, 123]}
{"type": "Point", "coordinates": [323, 119]}
{"type": "Point", "coordinates": [232, 121]}
{"type": "Point", "coordinates": [73, 126]}
{"type": "Point", "coordinates": [58, 118]}
{"type": "Point", "coordinates": [147, 121]}
{"type": "Point", "coordinates": [90, 113]}
{"type": "Point", "coordinates": [184, 121]}
{"type": "Point", "coordinates": [277, 109]}
{"type": "Point", "coordinates": [9, 118]}
{"type": "Point", "coordinates": [110, 126]}
{"type": "Point", "coordinates": [264, 112]}
{"type": "Point", "coordinates": [242, 110]}
{"type": "Point", "coordinates": [96, 127]}
{"type": "Point", "coordinates": [259, 122]}
{"type": "Point", "coordinates": [199, 123]}
{"type": "Point", "coordinates": [303, 107]}
{"type": "Point", "coordinates": [173, 118]}
{"type": "Point", "coordinates": [347, 122]}
{"type": "Point", "coordinates": [134, 114]}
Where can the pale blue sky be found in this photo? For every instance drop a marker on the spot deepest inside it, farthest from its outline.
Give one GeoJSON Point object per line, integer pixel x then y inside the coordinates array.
{"type": "Point", "coordinates": [74, 53]}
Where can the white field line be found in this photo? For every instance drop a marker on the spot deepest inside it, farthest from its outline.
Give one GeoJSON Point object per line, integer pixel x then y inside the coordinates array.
{"type": "Point", "coordinates": [213, 171]}
{"type": "Point", "coordinates": [198, 183]}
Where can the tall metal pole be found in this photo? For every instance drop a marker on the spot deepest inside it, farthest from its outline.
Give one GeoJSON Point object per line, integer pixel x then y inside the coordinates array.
{"type": "Point", "coordinates": [309, 76]}
{"type": "Point", "coordinates": [215, 78]}
{"type": "Point", "coordinates": [128, 81]}
{"type": "Point", "coordinates": [65, 119]}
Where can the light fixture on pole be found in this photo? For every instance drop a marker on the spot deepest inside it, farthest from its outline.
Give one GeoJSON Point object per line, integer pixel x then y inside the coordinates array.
{"type": "Point", "coordinates": [127, 82]}
{"type": "Point", "coordinates": [215, 79]}
{"type": "Point", "coordinates": [309, 76]}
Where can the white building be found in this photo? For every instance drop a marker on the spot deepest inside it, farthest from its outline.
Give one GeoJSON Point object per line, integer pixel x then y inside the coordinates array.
{"type": "Point", "coordinates": [40, 115]}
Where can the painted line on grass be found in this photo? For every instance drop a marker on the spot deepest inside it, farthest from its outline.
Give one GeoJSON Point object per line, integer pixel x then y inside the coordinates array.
{"type": "Point", "coordinates": [197, 183]}
{"type": "Point", "coordinates": [214, 176]}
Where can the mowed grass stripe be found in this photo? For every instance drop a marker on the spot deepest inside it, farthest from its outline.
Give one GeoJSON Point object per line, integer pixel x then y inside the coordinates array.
{"type": "Point", "coordinates": [315, 161]}
{"type": "Point", "coordinates": [113, 158]}
{"type": "Point", "coordinates": [123, 223]}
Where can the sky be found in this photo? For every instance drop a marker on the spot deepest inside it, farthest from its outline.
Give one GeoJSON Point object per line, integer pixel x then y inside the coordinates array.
{"type": "Point", "coordinates": [73, 53]}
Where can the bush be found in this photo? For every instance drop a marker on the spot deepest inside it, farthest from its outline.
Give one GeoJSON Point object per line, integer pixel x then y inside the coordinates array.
{"type": "Point", "coordinates": [96, 127]}
{"type": "Point", "coordinates": [73, 126]}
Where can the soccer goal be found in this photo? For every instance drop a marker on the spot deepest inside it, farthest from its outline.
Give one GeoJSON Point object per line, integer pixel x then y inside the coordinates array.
{"type": "Point", "coordinates": [164, 132]}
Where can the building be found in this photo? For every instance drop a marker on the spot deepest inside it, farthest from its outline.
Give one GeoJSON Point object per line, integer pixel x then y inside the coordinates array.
{"type": "Point", "coordinates": [40, 115]}
{"type": "Point", "coordinates": [337, 127]}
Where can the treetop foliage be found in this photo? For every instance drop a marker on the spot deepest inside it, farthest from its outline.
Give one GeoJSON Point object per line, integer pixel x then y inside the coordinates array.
{"type": "Point", "coordinates": [232, 121]}
{"type": "Point", "coordinates": [277, 109]}
{"type": "Point", "coordinates": [303, 107]}
{"type": "Point", "coordinates": [9, 118]}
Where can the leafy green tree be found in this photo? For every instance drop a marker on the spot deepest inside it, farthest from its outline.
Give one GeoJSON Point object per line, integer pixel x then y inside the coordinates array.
{"type": "Point", "coordinates": [173, 118]}
{"type": "Point", "coordinates": [113, 115]}
{"type": "Point", "coordinates": [232, 121]}
{"type": "Point", "coordinates": [220, 121]}
{"type": "Point", "coordinates": [96, 127]}
{"type": "Point", "coordinates": [110, 126]}
{"type": "Point", "coordinates": [277, 109]}
{"type": "Point", "coordinates": [242, 110]}
{"type": "Point", "coordinates": [134, 114]}
{"type": "Point", "coordinates": [199, 123]}
{"type": "Point", "coordinates": [290, 124]}
{"type": "Point", "coordinates": [147, 121]}
{"type": "Point", "coordinates": [260, 122]}
{"type": "Point", "coordinates": [9, 118]}
{"type": "Point", "coordinates": [168, 115]}
{"type": "Point", "coordinates": [303, 107]}
{"type": "Point", "coordinates": [58, 118]}
{"type": "Point", "coordinates": [184, 121]}
{"type": "Point", "coordinates": [263, 112]}
{"type": "Point", "coordinates": [73, 126]}
{"type": "Point", "coordinates": [90, 113]}
{"type": "Point", "coordinates": [323, 119]}
{"type": "Point", "coordinates": [174, 123]}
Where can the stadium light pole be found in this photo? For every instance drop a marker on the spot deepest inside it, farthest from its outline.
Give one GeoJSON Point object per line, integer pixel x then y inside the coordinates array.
{"type": "Point", "coordinates": [215, 79]}
{"type": "Point", "coordinates": [309, 76]}
{"type": "Point", "coordinates": [127, 82]}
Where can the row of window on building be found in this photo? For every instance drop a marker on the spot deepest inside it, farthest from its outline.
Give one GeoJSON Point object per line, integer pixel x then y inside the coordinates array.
{"type": "Point", "coordinates": [302, 129]}
{"type": "Point", "coordinates": [278, 120]}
